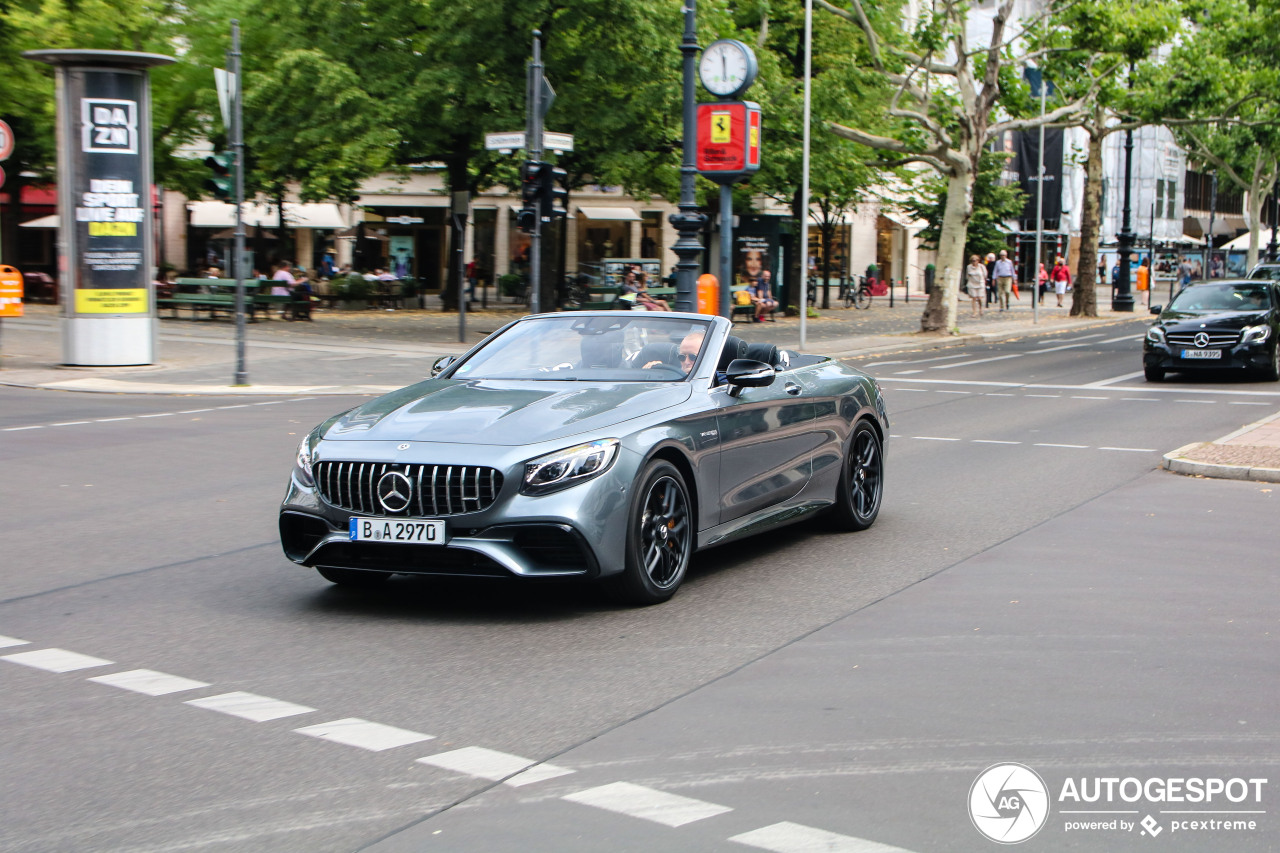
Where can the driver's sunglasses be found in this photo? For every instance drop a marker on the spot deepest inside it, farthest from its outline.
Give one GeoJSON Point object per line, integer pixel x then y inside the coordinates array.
{"type": "Point", "coordinates": [684, 356]}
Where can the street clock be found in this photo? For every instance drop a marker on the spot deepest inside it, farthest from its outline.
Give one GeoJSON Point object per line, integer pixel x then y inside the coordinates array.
{"type": "Point", "coordinates": [728, 68]}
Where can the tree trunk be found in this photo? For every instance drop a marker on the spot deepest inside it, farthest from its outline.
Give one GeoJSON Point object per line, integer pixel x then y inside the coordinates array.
{"type": "Point", "coordinates": [798, 263]}
{"type": "Point", "coordinates": [457, 172]}
{"type": "Point", "coordinates": [940, 311]}
{"type": "Point", "coordinates": [1084, 298]}
{"type": "Point", "coordinates": [1257, 198]}
{"type": "Point", "coordinates": [828, 233]}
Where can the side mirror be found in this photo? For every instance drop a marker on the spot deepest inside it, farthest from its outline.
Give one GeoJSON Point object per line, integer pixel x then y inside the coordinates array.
{"type": "Point", "coordinates": [1156, 309]}
{"type": "Point", "coordinates": [441, 363]}
{"type": "Point", "coordinates": [748, 373]}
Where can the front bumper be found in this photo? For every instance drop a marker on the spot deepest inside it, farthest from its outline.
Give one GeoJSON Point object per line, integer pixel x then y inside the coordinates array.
{"type": "Point", "coordinates": [1250, 356]}
{"type": "Point", "coordinates": [568, 534]}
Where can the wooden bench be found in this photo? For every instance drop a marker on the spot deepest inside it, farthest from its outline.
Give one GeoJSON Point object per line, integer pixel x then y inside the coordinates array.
{"type": "Point", "coordinates": [226, 302]}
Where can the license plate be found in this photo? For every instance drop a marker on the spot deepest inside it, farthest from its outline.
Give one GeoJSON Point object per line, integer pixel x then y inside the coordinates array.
{"type": "Point", "coordinates": [412, 531]}
{"type": "Point", "coordinates": [1202, 353]}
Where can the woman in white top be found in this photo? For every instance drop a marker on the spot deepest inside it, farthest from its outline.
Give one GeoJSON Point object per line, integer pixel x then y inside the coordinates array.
{"type": "Point", "coordinates": [975, 276]}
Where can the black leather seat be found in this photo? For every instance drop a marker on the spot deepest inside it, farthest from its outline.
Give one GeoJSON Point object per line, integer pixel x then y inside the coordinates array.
{"type": "Point", "coordinates": [768, 353]}
{"type": "Point", "coordinates": [733, 348]}
{"type": "Point", "coordinates": [662, 351]}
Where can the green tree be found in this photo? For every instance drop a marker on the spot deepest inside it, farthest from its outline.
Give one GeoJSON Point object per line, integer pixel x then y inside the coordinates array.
{"type": "Point", "coordinates": [994, 201]}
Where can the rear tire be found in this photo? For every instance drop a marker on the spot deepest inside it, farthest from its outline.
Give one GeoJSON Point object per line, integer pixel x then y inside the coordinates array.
{"type": "Point", "coordinates": [861, 489]}
{"type": "Point", "coordinates": [660, 537]}
{"type": "Point", "coordinates": [1153, 374]}
{"type": "Point", "coordinates": [354, 578]}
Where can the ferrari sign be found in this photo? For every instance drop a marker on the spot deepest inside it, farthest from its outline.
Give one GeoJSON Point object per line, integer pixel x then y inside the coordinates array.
{"type": "Point", "coordinates": [10, 292]}
{"type": "Point", "coordinates": [728, 140]}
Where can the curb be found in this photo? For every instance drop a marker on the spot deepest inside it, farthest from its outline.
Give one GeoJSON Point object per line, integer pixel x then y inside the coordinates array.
{"type": "Point", "coordinates": [1177, 462]}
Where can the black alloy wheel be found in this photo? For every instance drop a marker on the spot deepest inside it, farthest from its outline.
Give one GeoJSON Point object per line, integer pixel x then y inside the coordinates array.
{"type": "Point", "coordinates": [659, 536]}
{"type": "Point", "coordinates": [355, 578]}
{"type": "Point", "coordinates": [861, 487]}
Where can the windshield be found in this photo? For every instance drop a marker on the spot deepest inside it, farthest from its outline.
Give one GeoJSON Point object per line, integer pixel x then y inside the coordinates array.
{"type": "Point", "coordinates": [1271, 273]}
{"type": "Point", "coordinates": [1222, 297]}
{"type": "Point", "coordinates": [640, 347]}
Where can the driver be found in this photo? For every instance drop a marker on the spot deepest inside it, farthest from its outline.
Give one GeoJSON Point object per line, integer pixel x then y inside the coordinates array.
{"type": "Point", "coordinates": [687, 353]}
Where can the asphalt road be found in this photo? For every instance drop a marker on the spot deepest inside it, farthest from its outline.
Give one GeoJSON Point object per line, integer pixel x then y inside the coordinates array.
{"type": "Point", "coordinates": [1021, 472]}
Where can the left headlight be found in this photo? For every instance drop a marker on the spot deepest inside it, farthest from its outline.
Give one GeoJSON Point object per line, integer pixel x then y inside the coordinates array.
{"type": "Point", "coordinates": [566, 468]}
{"type": "Point", "coordinates": [1255, 334]}
{"type": "Point", "coordinates": [304, 460]}
{"type": "Point", "coordinates": [1156, 335]}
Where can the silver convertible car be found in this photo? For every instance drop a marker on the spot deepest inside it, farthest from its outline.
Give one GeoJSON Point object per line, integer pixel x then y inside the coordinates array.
{"type": "Point", "coordinates": [603, 445]}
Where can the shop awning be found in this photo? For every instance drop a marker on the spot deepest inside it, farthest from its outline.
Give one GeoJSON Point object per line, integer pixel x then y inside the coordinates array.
{"type": "Point", "coordinates": [50, 221]}
{"type": "Point", "coordinates": [902, 220]}
{"type": "Point", "coordinates": [1241, 243]}
{"type": "Point", "coordinates": [616, 214]}
{"type": "Point", "coordinates": [217, 214]}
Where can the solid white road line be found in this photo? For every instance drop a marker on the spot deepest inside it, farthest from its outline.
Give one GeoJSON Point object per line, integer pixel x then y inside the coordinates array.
{"type": "Point", "coordinates": [1069, 340]}
{"type": "Point", "coordinates": [488, 764]}
{"type": "Point", "coordinates": [374, 737]}
{"type": "Point", "coordinates": [1123, 378]}
{"type": "Point", "coordinates": [56, 660]}
{"type": "Point", "coordinates": [787, 837]}
{"type": "Point", "coordinates": [906, 372]}
{"type": "Point", "coordinates": [250, 706]}
{"type": "Point", "coordinates": [1057, 349]}
{"type": "Point", "coordinates": [149, 681]}
{"type": "Point", "coordinates": [647, 804]}
{"type": "Point", "coordinates": [6, 642]}
{"type": "Point", "coordinates": [977, 361]}
{"type": "Point", "coordinates": [1118, 340]}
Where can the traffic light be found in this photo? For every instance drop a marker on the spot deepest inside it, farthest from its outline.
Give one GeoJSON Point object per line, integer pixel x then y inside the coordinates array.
{"type": "Point", "coordinates": [555, 195]}
{"type": "Point", "coordinates": [527, 219]}
{"type": "Point", "coordinates": [222, 184]}
{"type": "Point", "coordinates": [530, 194]}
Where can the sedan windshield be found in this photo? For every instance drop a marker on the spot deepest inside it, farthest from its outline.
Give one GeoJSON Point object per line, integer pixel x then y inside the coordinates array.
{"type": "Point", "coordinates": [1222, 297]}
{"type": "Point", "coordinates": [639, 347]}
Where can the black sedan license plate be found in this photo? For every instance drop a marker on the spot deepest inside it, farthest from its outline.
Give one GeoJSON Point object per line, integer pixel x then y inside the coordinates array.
{"type": "Point", "coordinates": [1202, 353]}
{"type": "Point", "coordinates": [418, 532]}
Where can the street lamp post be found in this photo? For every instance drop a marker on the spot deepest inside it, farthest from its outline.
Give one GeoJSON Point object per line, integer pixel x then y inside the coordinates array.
{"type": "Point", "coordinates": [1122, 298]}
{"type": "Point", "coordinates": [689, 220]}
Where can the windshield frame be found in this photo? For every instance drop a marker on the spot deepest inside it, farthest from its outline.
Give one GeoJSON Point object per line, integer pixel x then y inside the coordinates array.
{"type": "Point", "coordinates": [1243, 286]}
{"type": "Point", "coordinates": [624, 335]}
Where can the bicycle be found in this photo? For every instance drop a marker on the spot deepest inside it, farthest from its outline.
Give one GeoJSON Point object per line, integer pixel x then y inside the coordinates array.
{"type": "Point", "coordinates": [858, 297]}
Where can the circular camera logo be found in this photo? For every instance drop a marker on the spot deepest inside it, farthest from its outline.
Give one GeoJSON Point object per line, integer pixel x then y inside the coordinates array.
{"type": "Point", "coordinates": [1008, 803]}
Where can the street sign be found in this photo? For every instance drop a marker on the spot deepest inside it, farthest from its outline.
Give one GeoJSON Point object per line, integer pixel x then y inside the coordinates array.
{"type": "Point", "coordinates": [6, 141]}
{"type": "Point", "coordinates": [728, 146]}
{"type": "Point", "coordinates": [515, 139]}
{"type": "Point", "coordinates": [405, 220]}
{"type": "Point", "coordinates": [1, 177]}
{"type": "Point", "coordinates": [10, 292]}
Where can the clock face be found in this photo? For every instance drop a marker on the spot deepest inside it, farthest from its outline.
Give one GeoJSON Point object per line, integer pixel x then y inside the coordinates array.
{"type": "Point", "coordinates": [726, 68]}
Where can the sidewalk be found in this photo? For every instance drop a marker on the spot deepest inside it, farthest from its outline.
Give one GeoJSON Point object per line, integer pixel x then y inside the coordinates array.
{"type": "Point", "coordinates": [375, 351]}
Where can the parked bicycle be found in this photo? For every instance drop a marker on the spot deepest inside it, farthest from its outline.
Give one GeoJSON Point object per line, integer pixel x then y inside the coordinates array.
{"type": "Point", "coordinates": [857, 294]}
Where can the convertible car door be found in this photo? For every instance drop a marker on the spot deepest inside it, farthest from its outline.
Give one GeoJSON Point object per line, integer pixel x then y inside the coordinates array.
{"type": "Point", "coordinates": [767, 444]}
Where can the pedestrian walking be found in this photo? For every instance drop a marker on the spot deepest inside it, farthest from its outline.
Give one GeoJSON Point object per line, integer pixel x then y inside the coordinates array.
{"type": "Point", "coordinates": [1042, 284]}
{"type": "Point", "coordinates": [991, 278]}
{"type": "Point", "coordinates": [975, 276]}
{"type": "Point", "coordinates": [1061, 278]}
{"type": "Point", "coordinates": [1005, 275]}
{"type": "Point", "coordinates": [1144, 282]}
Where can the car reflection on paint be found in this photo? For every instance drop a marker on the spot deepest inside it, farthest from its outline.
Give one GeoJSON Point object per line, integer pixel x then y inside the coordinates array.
{"type": "Point", "coordinates": [605, 445]}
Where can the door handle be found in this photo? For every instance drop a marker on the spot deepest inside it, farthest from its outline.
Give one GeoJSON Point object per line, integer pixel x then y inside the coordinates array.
{"type": "Point", "coordinates": [793, 389]}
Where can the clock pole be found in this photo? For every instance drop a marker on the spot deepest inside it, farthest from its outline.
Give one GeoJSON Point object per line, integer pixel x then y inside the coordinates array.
{"type": "Point", "coordinates": [689, 220]}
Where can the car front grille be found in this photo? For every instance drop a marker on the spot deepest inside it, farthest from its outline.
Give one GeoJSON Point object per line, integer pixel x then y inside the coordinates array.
{"type": "Point", "coordinates": [1216, 339]}
{"type": "Point", "coordinates": [434, 490]}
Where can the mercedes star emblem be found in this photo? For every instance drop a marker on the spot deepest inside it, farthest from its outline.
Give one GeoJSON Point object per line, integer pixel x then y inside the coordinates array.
{"type": "Point", "coordinates": [394, 490]}
{"type": "Point", "coordinates": [402, 446]}
{"type": "Point", "coordinates": [1201, 339]}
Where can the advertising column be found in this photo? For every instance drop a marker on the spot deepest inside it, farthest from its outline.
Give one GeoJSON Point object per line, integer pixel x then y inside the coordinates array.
{"type": "Point", "coordinates": [106, 252]}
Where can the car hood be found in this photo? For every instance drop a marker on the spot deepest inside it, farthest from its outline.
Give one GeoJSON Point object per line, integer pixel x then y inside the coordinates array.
{"type": "Point", "coordinates": [1211, 319]}
{"type": "Point", "coordinates": [502, 412]}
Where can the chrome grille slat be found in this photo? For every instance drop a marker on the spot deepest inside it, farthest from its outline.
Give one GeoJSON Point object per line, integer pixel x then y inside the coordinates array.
{"type": "Point", "coordinates": [1216, 339]}
{"type": "Point", "coordinates": [447, 490]}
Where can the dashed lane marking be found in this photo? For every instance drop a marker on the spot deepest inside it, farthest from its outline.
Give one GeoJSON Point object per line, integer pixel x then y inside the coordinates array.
{"type": "Point", "coordinates": [993, 441]}
{"type": "Point", "coordinates": [1201, 402]}
{"type": "Point", "coordinates": [149, 682]}
{"type": "Point", "coordinates": [374, 737]}
{"type": "Point", "coordinates": [934, 438]}
{"type": "Point", "coordinates": [1069, 446]}
{"type": "Point", "coordinates": [1072, 340]}
{"type": "Point", "coordinates": [1155, 400]}
{"type": "Point", "coordinates": [154, 415]}
{"type": "Point", "coordinates": [906, 372]}
{"type": "Point", "coordinates": [977, 361]}
{"type": "Point", "coordinates": [787, 837]}
{"type": "Point", "coordinates": [493, 765]}
{"type": "Point", "coordinates": [250, 706]}
{"type": "Point", "coordinates": [6, 642]}
{"type": "Point", "coordinates": [57, 660]}
{"type": "Point", "coordinates": [647, 803]}
{"type": "Point", "coordinates": [1246, 403]}
{"type": "Point", "coordinates": [1131, 449]}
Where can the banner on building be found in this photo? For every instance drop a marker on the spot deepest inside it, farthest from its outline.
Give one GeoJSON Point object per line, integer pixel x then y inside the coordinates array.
{"type": "Point", "coordinates": [1026, 147]}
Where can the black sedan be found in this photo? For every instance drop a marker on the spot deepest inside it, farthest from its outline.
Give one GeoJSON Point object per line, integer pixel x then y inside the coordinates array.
{"type": "Point", "coordinates": [1220, 325]}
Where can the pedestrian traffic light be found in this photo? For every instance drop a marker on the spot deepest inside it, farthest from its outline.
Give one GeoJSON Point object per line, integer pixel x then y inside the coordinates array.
{"type": "Point", "coordinates": [527, 219]}
{"type": "Point", "coordinates": [555, 194]}
{"type": "Point", "coordinates": [222, 184]}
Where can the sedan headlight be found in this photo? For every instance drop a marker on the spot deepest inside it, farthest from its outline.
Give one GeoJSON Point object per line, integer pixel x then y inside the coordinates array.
{"type": "Point", "coordinates": [566, 468]}
{"type": "Point", "coordinates": [1255, 334]}
{"type": "Point", "coordinates": [304, 461]}
{"type": "Point", "coordinates": [1156, 335]}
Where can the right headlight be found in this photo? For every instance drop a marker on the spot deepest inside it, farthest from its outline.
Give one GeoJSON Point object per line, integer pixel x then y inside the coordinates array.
{"type": "Point", "coordinates": [566, 468]}
{"type": "Point", "coordinates": [1156, 335]}
{"type": "Point", "coordinates": [1255, 334]}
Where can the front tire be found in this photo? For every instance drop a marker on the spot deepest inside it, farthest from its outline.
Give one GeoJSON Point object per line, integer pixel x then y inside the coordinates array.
{"type": "Point", "coordinates": [354, 578]}
{"type": "Point", "coordinates": [660, 536]}
{"type": "Point", "coordinates": [1153, 374]}
{"type": "Point", "coordinates": [1271, 372]}
{"type": "Point", "coordinates": [861, 488]}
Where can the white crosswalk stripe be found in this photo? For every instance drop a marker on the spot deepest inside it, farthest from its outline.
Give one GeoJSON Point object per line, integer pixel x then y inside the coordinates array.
{"type": "Point", "coordinates": [647, 803]}
{"type": "Point", "coordinates": [374, 737]}
{"type": "Point", "coordinates": [787, 837]}
{"type": "Point", "coordinates": [490, 764]}
{"type": "Point", "coordinates": [250, 706]}
{"type": "Point", "coordinates": [149, 682]}
{"type": "Point", "coordinates": [56, 660]}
